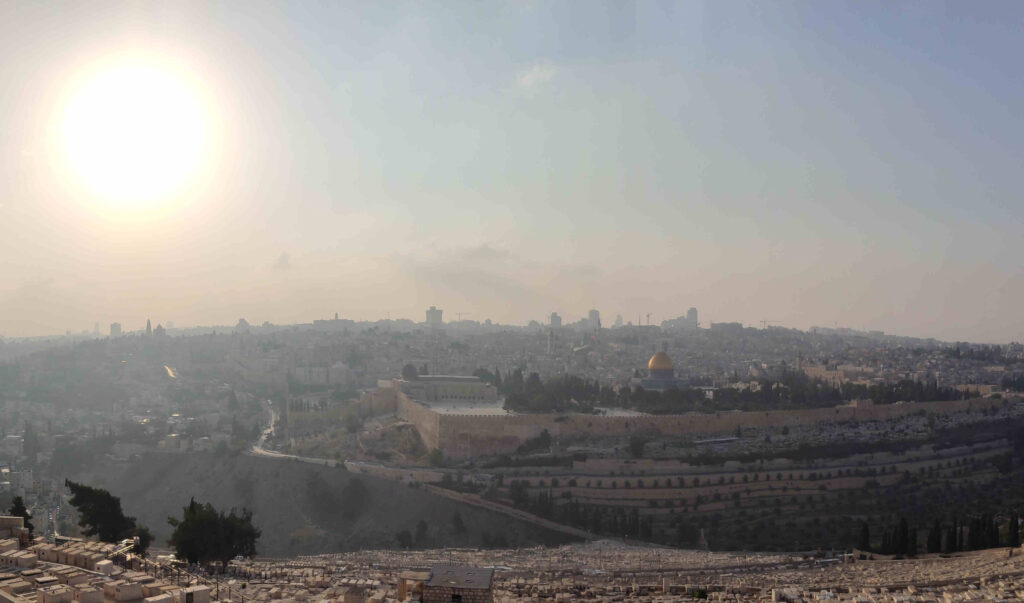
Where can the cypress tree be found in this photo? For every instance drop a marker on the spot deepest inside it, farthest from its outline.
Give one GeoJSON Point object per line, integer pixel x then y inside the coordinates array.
{"type": "Point", "coordinates": [973, 534]}
{"type": "Point", "coordinates": [934, 544]}
{"type": "Point", "coordinates": [950, 544]}
{"type": "Point", "coordinates": [18, 509]}
{"type": "Point", "coordinates": [864, 541]}
{"type": "Point", "coordinates": [901, 539]}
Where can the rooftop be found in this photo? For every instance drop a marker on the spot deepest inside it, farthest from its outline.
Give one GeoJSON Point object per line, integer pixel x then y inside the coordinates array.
{"type": "Point", "coordinates": [449, 378]}
{"type": "Point", "coordinates": [461, 576]}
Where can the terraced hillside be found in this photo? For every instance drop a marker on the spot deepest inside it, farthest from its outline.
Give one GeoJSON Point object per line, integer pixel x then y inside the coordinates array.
{"type": "Point", "coordinates": [796, 499]}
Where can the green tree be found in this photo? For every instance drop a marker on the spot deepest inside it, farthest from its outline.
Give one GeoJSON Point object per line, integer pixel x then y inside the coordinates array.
{"type": "Point", "coordinates": [100, 513]}
{"type": "Point", "coordinates": [901, 537]}
{"type": "Point", "coordinates": [457, 524]}
{"type": "Point", "coordinates": [404, 539]}
{"type": "Point", "coordinates": [204, 535]}
{"type": "Point", "coordinates": [636, 445]}
{"type": "Point", "coordinates": [353, 421]}
{"type": "Point", "coordinates": [864, 541]}
{"type": "Point", "coordinates": [18, 509]}
{"type": "Point", "coordinates": [934, 543]}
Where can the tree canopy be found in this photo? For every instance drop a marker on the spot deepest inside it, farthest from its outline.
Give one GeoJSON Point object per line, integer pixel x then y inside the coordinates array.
{"type": "Point", "coordinates": [18, 509]}
{"type": "Point", "coordinates": [100, 513]}
{"type": "Point", "coordinates": [204, 535]}
{"type": "Point", "coordinates": [788, 389]}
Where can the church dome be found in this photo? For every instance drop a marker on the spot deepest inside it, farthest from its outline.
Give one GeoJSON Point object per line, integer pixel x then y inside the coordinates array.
{"type": "Point", "coordinates": [660, 362]}
{"type": "Point", "coordinates": [409, 373]}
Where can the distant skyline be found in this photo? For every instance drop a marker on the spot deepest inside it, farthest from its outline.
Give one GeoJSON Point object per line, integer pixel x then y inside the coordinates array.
{"type": "Point", "coordinates": [607, 323]}
{"type": "Point", "coordinates": [850, 163]}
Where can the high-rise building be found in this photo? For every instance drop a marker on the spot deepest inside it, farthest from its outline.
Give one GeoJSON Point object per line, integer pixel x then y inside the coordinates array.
{"type": "Point", "coordinates": [691, 318]}
{"type": "Point", "coordinates": [595, 319]}
{"type": "Point", "coordinates": [149, 327]}
{"type": "Point", "coordinates": [434, 316]}
{"type": "Point", "coordinates": [115, 329]}
{"type": "Point", "coordinates": [556, 320]}
{"type": "Point", "coordinates": [618, 320]}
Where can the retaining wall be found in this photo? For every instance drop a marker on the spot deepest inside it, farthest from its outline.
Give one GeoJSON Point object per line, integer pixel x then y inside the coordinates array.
{"type": "Point", "coordinates": [463, 436]}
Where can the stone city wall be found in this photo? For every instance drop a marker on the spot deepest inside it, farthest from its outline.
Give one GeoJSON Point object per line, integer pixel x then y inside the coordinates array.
{"type": "Point", "coordinates": [427, 421]}
{"type": "Point", "coordinates": [463, 436]}
{"type": "Point", "coordinates": [382, 401]}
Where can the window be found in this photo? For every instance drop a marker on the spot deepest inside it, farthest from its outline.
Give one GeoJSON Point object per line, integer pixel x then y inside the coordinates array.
{"type": "Point", "coordinates": [457, 598]}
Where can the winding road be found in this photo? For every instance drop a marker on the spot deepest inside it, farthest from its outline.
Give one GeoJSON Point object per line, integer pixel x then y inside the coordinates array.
{"type": "Point", "coordinates": [259, 449]}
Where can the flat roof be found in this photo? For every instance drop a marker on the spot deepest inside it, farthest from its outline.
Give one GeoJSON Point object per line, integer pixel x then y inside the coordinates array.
{"type": "Point", "coordinates": [462, 378]}
{"type": "Point", "coordinates": [448, 407]}
{"type": "Point", "coordinates": [461, 576]}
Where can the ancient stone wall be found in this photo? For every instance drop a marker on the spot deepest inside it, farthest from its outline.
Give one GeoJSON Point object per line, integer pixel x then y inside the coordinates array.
{"type": "Point", "coordinates": [426, 420]}
{"type": "Point", "coordinates": [381, 401]}
{"type": "Point", "coordinates": [462, 436]}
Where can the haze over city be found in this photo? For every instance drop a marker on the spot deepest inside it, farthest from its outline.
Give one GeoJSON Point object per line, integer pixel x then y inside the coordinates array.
{"type": "Point", "coordinates": [850, 164]}
{"type": "Point", "coordinates": [519, 300]}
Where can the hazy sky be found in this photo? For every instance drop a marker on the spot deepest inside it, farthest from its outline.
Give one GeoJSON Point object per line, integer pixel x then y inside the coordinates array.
{"type": "Point", "coordinates": [811, 163]}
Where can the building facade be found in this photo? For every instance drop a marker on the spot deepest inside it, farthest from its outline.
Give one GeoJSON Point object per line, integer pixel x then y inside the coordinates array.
{"type": "Point", "coordinates": [434, 316]}
{"type": "Point", "coordinates": [458, 583]}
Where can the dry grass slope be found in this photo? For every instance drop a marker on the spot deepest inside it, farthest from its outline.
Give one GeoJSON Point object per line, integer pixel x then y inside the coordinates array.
{"type": "Point", "coordinates": [305, 509]}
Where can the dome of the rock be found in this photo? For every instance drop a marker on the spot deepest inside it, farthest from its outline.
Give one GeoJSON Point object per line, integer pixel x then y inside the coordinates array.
{"type": "Point", "coordinates": [661, 367]}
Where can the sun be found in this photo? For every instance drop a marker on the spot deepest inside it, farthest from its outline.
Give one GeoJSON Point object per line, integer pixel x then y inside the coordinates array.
{"type": "Point", "coordinates": [134, 134]}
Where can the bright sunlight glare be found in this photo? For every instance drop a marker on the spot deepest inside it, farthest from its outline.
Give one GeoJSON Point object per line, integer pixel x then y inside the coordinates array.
{"type": "Point", "coordinates": [134, 134]}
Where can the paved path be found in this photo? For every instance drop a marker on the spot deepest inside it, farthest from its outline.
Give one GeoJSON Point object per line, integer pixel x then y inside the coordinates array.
{"type": "Point", "coordinates": [259, 448]}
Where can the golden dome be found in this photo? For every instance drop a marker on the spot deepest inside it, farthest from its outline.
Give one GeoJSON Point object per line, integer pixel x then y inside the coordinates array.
{"type": "Point", "coordinates": [660, 362]}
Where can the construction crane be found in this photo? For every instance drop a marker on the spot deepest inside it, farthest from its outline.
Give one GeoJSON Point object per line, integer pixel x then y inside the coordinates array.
{"type": "Point", "coordinates": [461, 314]}
{"type": "Point", "coordinates": [648, 319]}
{"type": "Point", "coordinates": [765, 323]}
